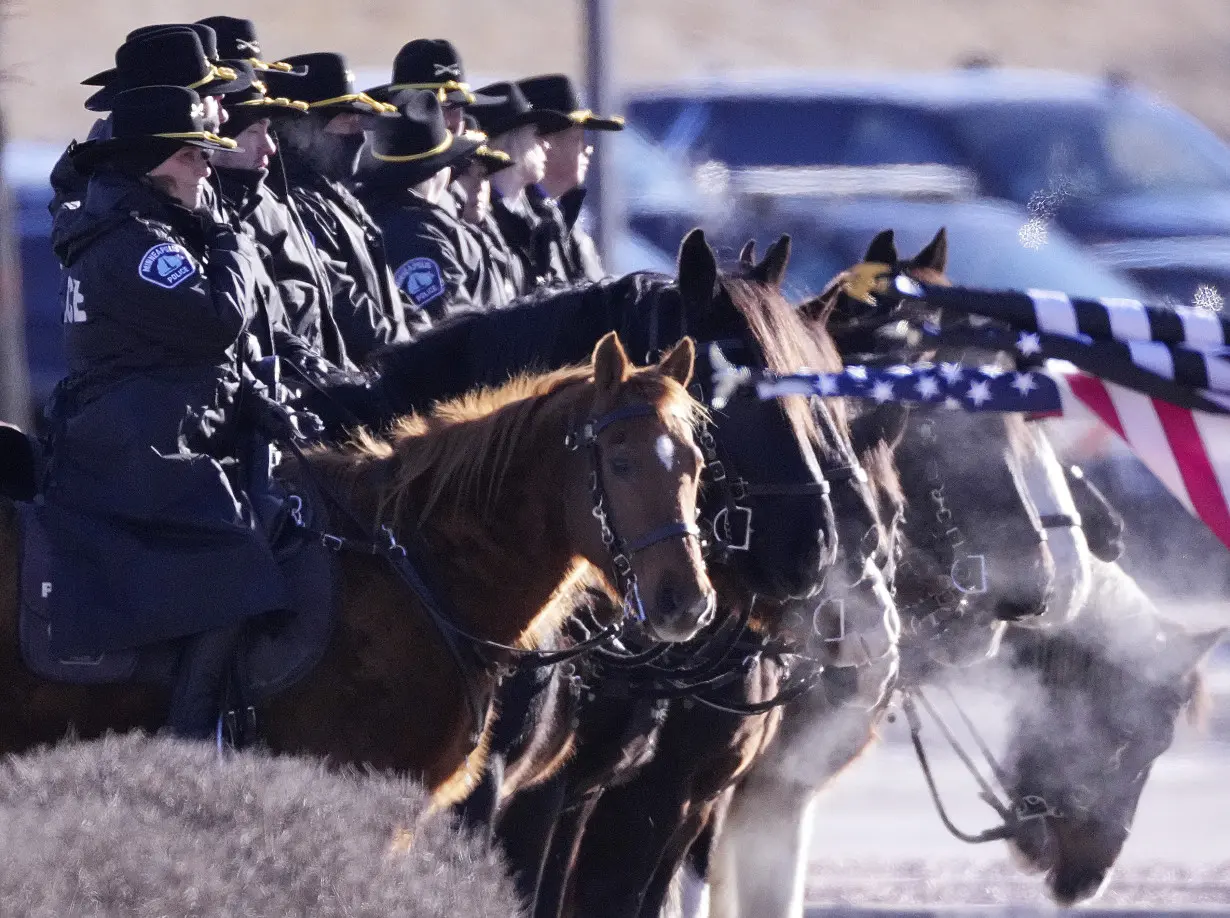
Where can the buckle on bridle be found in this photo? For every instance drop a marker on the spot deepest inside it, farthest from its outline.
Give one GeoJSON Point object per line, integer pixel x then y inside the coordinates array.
{"type": "Point", "coordinates": [722, 531]}
{"type": "Point", "coordinates": [980, 571]}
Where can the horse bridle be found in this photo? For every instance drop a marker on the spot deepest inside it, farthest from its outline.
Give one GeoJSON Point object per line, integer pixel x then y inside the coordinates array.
{"type": "Point", "coordinates": [621, 550]}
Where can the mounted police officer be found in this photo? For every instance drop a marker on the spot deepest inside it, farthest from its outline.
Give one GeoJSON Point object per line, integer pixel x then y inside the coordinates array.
{"type": "Point", "coordinates": [516, 128]}
{"type": "Point", "coordinates": [171, 55]}
{"type": "Point", "coordinates": [472, 181]}
{"type": "Point", "coordinates": [320, 154]}
{"type": "Point", "coordinates": [434, 64]}
{"type": "Point", "coordinates": [558, 198]}
{"type": "Point", "coordinates": [440, 266]}
{"type": "Point", "coordinates": [295, 267]}
{"type": "Point", "coordinates": [145, 476]}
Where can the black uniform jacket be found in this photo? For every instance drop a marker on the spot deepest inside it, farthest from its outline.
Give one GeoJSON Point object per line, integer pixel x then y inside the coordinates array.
{"type": "Point", "coordinates": [145, 430]}
{"type": "Point", "coordinates": [366, 305]}
{"type": "Point", "coordinates": [438, 263]}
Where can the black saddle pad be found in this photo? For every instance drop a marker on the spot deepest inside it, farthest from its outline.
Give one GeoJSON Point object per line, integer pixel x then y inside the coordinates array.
{"type": "Point", "coordinates": [278, 649]}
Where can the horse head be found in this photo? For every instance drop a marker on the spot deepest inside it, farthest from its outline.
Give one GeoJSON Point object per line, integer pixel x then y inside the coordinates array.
{"type": "Point", "coordinates": [765, 498]}
{"type": "Point", "coordinates": [642, 488]}
{"type": "Point", "coordinates": [1085, 738]}
{"type": "Point", "coordinates": [978, 551]}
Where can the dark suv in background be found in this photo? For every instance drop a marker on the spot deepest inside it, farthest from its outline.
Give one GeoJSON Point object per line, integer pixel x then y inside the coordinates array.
{"type": "Point", "coordinates": [1100, 158]}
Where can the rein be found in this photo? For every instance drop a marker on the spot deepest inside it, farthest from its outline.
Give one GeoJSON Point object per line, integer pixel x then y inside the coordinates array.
{"type": "Point", "coordinates": [1014, 813]}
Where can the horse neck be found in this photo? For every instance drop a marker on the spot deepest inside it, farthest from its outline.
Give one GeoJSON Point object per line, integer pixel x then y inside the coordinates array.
{"type": "Point", "coordinates": [505, 562]}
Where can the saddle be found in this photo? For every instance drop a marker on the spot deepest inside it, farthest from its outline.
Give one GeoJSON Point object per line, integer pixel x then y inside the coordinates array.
{"type": "Point", "coordinates": [276, 650]}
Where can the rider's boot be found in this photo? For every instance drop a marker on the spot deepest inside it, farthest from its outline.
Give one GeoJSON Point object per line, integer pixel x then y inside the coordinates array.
{"type": "Point", "coordinates": [200, 683]}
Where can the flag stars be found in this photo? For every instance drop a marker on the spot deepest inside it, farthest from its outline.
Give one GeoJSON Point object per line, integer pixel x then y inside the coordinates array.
{"type": "Point", "coordinates": [828, 384]}
{"type": "Point", "coordinates": [979, 393]}
{"type": "Point", "coordinates": [951, 372]}
{"type": "Point", "coordinates": [882, 391]}
{"type": "Point", "coordinates": [1024, 383]}
{"type": "Point", "coordinates": [927, 387]}
{"type": "Point", "coordinates": [1029, 344]}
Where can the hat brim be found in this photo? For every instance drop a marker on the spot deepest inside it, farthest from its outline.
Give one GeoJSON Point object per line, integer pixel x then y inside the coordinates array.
{"type": "Point", "coordinates": [247, 115]}
{"type": "Point", "coordinates": [547, 122]}
{"type": "Point", "coordinates": [89, 154]}
{"type": "Point", "coordinates": [102, 100]}
{"type": "Point", "coordinates": [592, 122]}
{"type": "Point", "coordinates": [492, 164]}
{"type": "Point", "coordinates": [388, 92]}
{"type": "Point", "coordinates": [414, 171]}
{"type": "Point", "coordinates": [102, 78]}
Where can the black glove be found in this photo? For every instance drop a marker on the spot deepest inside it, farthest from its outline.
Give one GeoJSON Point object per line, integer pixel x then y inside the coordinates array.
{"type": "Point", "coordinates": [219, 237]}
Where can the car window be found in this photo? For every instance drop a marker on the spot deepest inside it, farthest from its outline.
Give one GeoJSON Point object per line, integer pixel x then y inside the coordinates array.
{"type": "Point", "coordinates": [1046, 152]}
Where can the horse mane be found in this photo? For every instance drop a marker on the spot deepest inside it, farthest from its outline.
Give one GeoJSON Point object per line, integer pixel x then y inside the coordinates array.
{"type": "Point", "coordinates": [787, 344]}
{"type": "Point", "coordinates": [463, 448]}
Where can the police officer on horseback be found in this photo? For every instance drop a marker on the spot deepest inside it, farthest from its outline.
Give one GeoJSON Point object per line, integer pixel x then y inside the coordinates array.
{"type": "Point", "coordinates": [150, 430]}
{"type": "Point", "coordinates": [440, 266]}
{"type": "Point", "coordinates": [320, 155]}
{"type": "Point", "coordinates": [249, 183]}
{"type": "Point", "coordinates": [519, 130]}
{"type": "Point", "coordinates": [558, 198]}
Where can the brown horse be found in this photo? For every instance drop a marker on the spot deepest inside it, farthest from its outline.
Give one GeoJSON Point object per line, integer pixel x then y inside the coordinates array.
{"type": "Point", "coordinates": [521, 493]}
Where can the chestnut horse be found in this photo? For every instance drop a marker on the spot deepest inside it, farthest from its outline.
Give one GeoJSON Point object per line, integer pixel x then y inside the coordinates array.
{"type": "Point", "coordinates": [520, 492]}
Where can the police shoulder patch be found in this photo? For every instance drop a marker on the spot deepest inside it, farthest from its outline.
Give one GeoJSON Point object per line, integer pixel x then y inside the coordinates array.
{"type": "Point", "coordinates": [166, 265]}
{"type": "Point", "coordinates": [421, 280]}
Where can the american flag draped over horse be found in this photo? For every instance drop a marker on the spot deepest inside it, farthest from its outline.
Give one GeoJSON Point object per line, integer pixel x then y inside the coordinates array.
{"type": "Point", "coordinates": [1159, 377]}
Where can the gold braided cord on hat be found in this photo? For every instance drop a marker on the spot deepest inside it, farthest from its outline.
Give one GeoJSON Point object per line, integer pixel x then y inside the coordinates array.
{"type": "Point", "coordinates": [498, 155]}
{"type": "Point", "coordinates": [582, 115]}
{"type": "Point", "coordinates": [477, 136]}
{"type": "Point", "coordinates": [355, 97]}
{"type": "Point", "coordinates": [265, 65]}
{"type": "Point", "coordinates": [201, 135]}
{"type": "Point", "coordinates": [280, 101]}
{"type": "Point", "coordinates": [215, 73]}
{"type": "Point", "coordinates": [412, 157]}
{"type": "Point", "coordinates": [441, 89]}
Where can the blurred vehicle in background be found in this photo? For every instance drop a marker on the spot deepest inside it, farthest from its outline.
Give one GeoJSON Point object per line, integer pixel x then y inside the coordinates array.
{"type": "Point", "coordinates": [1104, 160]}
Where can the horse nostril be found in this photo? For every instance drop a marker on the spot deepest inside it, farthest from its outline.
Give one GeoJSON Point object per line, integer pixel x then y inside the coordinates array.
{"type": "Point", "coordinates": [668, 599]}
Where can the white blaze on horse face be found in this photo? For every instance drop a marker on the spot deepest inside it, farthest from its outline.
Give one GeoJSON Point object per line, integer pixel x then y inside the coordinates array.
{"type": "Point", "coordinates": [664, 447]}
{"type": "Point", "coordinates": [1048, 488]}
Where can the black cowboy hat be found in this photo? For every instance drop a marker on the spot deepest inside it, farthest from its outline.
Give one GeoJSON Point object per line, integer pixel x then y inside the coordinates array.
{"type": "Point", "coordinates": [493, 161]}
{"type": "Point", "coordinates": [327, 86]}
{"type": "Point", "coordinates": [417, 144]}
{"type": "Point", "coordinates": [237, 40]}
{"type": "Point", "coordinates": [555, 91]}
{"type": "Point", "coordinates": [250, 105]}
{"type": "Point", "coordinates": [513, 110]}
{"type": "Point", "coordinates": [429, 63]}
{"type": "Point", "coordinates": [152, 117]}
{"type": "Point", "coordinates": [207, 36]}
{"type": "Point", "coordinates": [173, 57]}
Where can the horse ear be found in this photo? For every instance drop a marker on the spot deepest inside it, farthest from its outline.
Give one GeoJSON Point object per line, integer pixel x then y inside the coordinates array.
{"type": "Point", "coordinates": [698, 271]}
{"type": "Point", "coordinates": [611, 364]}
{"type": "Point", "coordinates": [772, 270]}
{"type": "Point", "coordinates": [679, 362]}
{"type": "Point", "coordinates": [747, 255]}
{"type": "Point", "coordinates": [1191, 649]}
{"type": "Point", "coordinates": [935, 255]}
{"type": "Point", "coordinates": [883, 250]}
